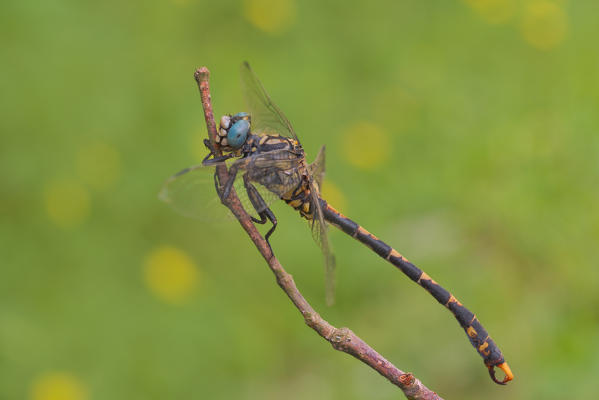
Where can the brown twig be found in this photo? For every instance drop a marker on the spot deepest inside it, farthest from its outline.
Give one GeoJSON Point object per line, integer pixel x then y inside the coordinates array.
{"type": "Point", "coordinates": [342, 339]}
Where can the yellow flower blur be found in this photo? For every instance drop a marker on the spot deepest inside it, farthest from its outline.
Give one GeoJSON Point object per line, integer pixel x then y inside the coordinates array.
{"type": "Point", "coordinates": [493, 11]}
{"type": "Point", "coordinates": [333, 195]}
{"type": "Point", "coordinates": [170, 274]}
{"type": "Point", "coordinates": [544, 24]}
{"type": "Point", "coordinates": [366, 145]}
{"type": "Point", "coordinates": [270, 16]}
{"type": "Point", "coordinates": [58, 386]}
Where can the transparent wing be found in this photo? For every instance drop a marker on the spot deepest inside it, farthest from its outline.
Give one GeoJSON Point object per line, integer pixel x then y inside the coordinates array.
{"type": "Point", "coordinates": [320, 227]}
{"type": "Point", "coordinates": [192, 192]}
{"type": "Point", "coordinates": [320, 234]}
{"type": "Point", "coordinates": [317, 168]}
{"type": "Point", "coordinates": [267, 118]}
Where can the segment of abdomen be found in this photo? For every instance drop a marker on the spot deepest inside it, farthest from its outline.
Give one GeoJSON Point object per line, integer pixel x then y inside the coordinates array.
{"type": "Point", "coordinates": [299, 199]}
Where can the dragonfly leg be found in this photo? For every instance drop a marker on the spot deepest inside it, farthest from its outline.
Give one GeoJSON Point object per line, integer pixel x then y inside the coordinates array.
{"type": "Point", "coordinates": [212, 149]}
{"type": "Point", "coordinates": [207, 161]}
{"type": "Point", "coordinates": [217, 185]}
{"type": "Point", "coordinates": [261, 208]}
{"type": "Point", "coordinates": [271, 216]}
{"type": "Point", "coordinates": [265, 216]}
{"type": "Point", "coordinates": [263, 219]}
{"type": "Point", "coordinates": [209, 146]}
{"type": "Point", "coordinates": [229, 183]}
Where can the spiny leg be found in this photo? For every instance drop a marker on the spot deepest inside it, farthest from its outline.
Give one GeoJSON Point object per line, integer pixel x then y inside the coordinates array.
{"type": "Point", "coordinates": [212, 153]}
{"type": "Point", "coordinates": [261, 208]}
{"type": "Point", "coordinates": [265, 216]}
{"type": "Point", "coordinates": [271, 216]}
{"type": "Point", "coordinates": [207, 161]}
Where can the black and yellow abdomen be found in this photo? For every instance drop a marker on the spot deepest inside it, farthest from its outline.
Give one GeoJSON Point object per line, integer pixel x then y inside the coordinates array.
{"type": "Point", "coordinates": [477, 334]}
{"type": "Point", "coordinates": [299, 198]}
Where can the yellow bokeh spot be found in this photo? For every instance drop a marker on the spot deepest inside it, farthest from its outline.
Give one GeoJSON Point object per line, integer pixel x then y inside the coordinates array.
{"type": "Point", "coordinates": [170, 274]}
{"type": "Point", "coordinates": [58, 386]}
{"type": "Point", "coordinates": [333, 195]}
{"type": "Point", "coordinates": [99, 165]}
{"type": "Point", "coordinates": [67, 203]}
{"type": "Point", "coordinates": [493, 11]}
{"type": "Point", "coordinates": [270, 16]}
{"type": "Point", "coordinates": [544, 24]}
{"type": "Point", "coordinates": [366, 145]}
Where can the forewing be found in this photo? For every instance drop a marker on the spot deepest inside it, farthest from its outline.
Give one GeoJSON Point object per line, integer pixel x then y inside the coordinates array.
{"type": "Point", "coordinates": [267, 118]}
{"type": "Point", "coordinates": [321, 237]}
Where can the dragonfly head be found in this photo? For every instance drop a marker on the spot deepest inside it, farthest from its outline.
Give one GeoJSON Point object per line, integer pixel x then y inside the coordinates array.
{"type": "Point", "coordinates": [234, 131]}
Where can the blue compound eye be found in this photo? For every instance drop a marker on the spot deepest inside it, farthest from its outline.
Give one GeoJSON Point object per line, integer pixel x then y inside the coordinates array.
{"type": "Point", "coordinates": [240, 115]}
{"type": "Point", "coordinates": [238, 133]}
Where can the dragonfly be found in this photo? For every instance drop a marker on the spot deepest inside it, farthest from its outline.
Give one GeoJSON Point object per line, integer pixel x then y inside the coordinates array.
{"type": "Point", "coordinates": [266, 162]}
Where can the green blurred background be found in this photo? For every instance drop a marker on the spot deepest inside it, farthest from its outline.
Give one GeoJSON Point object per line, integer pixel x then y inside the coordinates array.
{"type": "Point", "coordinates": [464, 133]}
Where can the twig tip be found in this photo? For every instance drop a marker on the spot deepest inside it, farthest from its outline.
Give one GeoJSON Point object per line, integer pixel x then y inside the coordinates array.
{"type": "Point", "coordinates": [201, 74]}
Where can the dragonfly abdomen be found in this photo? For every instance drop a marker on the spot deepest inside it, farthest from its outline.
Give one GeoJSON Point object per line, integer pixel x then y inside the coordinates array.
{"type": "Point", "coordinates": [477, 334]}
{"type": "Point", "coordinates": [299, 198]}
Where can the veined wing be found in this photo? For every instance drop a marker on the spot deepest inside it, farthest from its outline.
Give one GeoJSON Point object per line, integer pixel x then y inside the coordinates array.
{"type": "Point", "coordinates": [319, 226]}
{"type": "Point", "coordinates": [267, 118]}
{"type": "Point", "coordinates": [194, 191]}
{"type": "Point", "coordinates": [317, 168]}
{"type": "Point", "coordinates": [321, 237]}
